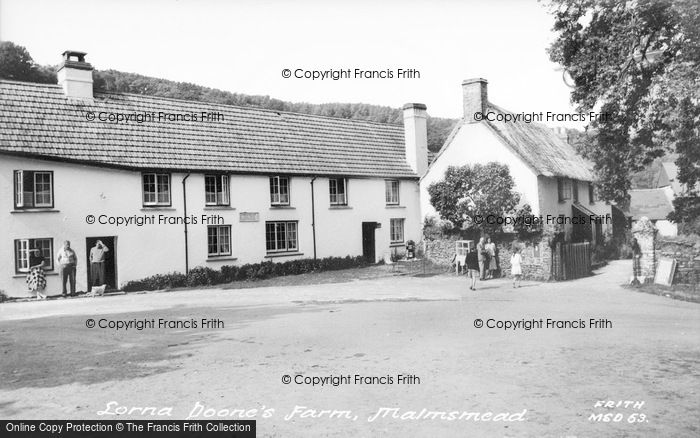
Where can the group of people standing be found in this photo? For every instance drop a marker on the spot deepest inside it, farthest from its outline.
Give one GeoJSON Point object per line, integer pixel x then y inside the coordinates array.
{"type": "Point", "coordinates": [482, 263]}
{"type": "Point", "coordinates": [67, 261]}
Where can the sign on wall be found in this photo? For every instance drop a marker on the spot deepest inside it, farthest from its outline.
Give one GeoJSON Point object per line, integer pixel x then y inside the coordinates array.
{"type": "Point", "coordinates": [665, 271]}
{"type": "Point", "coordinates": [248, 216]}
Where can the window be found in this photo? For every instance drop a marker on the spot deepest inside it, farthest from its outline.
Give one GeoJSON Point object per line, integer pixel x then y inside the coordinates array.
{"type": "Point", "coordinates": [156, 189]}
{"type": "Point", "coordinates": [591, 193]}
{"type": "Point", "coordinates": [396, 230]}
{"type": "Point", "coordinates": [216, 189]}
{"type": "Point", "coordinates": [392, 191]}
{"type": "Point", "coordinates": [281, 236]}
{"type": "Point", "coordinates": [574, 188]}
{"type": "Point", "coordinates": [33, 189]}
{"type": "Point", "coordinates": [22, 247]}
{"type": "Point", "coordinates": [564, 189]}
{"type": "Point", "coordinates": [279, 190]}
{"type": "Point", "coordinates": [219, 240]}
{"type": "Point", "coordinates": [338, 191]}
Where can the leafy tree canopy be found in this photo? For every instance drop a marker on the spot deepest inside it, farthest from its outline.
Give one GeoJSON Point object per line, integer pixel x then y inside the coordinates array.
{"type": "Point", "coordinates": [638, 61]}
{"type": "Point", "coordinates": [474, 190]}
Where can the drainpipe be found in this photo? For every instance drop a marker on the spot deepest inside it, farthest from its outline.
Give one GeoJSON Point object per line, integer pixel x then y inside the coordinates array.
{"type": "Point", "coordinates": [313, 215]}
{"type": "Point", "coordinates": [184, 204]}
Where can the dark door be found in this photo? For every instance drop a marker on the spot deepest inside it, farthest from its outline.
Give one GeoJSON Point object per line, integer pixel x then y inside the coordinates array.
{"type": "Point", "coordinates": [368, 241]}
{"type": "Point", "coordinates": [110, 260]}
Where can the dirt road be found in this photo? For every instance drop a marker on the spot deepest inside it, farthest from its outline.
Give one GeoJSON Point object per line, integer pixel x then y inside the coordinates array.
{"type": "Point", "coordinates": [645, 350]}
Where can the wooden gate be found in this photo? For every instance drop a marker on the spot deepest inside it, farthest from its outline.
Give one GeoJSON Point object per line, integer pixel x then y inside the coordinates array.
{"type": "Point", "coordinates": [571, 260]}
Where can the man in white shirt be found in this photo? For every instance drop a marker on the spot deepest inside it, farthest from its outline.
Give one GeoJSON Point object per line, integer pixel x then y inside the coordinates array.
{"type": "Point", "coordinates": [67, 261]}
{"type": "Point", "coordinates": [97, 263]}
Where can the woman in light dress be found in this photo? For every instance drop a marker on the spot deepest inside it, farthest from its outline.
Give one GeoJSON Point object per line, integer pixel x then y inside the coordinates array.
{"type": "Point", "coordinates": [516, 268]}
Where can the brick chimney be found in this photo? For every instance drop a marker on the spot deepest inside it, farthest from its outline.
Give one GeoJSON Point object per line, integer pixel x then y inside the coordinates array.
{"type": "Point", "coordinates": [475, 97]}
{"type": "Point", "coordinates": [416, 136]}
{"type": "Point", "coordinates": [75, 75]}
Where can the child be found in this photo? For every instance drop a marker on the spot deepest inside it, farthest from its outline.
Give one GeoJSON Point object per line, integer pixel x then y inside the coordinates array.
{"type": "Point", "coordinates": [472, 262]}
{"type": "Point", "coordinates": [515, 267]}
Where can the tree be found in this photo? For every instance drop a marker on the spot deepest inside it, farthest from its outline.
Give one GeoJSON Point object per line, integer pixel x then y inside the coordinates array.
{"type": "Point", "coordinates": [470, 193]}
{"type": "Point", "coordinates": [639, 62]}
{"type": "Point", "coordinates": [17, 65]}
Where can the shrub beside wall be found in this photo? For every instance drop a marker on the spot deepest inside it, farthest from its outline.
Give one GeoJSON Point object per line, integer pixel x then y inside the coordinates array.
{"type": "Point", "coordinates": [202, 276]}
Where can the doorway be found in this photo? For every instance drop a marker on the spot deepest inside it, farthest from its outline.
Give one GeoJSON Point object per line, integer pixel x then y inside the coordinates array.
{"type": "Point", "coordinates": [368, 246]}
{"type": "Point", "coordinates": [110, 260]}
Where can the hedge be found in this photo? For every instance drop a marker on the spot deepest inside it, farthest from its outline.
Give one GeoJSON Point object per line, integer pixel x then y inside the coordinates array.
{"type": "Point", "coordinates": [201, 276]}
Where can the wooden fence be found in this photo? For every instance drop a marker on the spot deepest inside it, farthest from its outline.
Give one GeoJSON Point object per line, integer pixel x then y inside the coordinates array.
{"type": "Point", "coordinates": [571, 260]}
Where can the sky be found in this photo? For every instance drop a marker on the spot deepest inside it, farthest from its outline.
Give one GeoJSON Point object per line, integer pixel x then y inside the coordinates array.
{"type": "Point", "coordinates": [244, 45]}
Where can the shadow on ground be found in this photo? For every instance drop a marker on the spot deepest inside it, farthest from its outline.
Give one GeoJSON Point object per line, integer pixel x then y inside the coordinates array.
{"type": "Point", "coordinates": [48, 352]}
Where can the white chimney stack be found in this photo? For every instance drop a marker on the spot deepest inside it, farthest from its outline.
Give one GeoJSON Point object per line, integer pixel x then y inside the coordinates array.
{"type": "Point", "coordinates": [75, 75]}
{"type": "Point", "coordinates": [475, 98]}
{"type": "Point", "coordinates": [416, 136]}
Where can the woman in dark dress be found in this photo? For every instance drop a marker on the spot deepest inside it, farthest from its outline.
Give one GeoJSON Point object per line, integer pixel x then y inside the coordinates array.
{"type": "Point", "coordinates": [36, 277]}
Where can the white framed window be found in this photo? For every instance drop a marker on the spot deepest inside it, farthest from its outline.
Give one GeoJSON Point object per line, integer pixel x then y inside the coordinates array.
{"type": "Point", "coordinates": [337, 188]}
{"type": "Point", "coordinates": [592, 193]}
{"type": "Point", "coordinates": [281, 236]}
{"type": "Point", "coordinates": [216, 188]}
{"type": "Point", "coordinates": [392, 191]}
{"type": "Point", "coordinates": [396, 230]}
{"type": "Point", "coordinates": [564, 189]}
{"type": "Point", "coordinates": [574, 190]}
{"type": "Point", "coordinates": [33, 189]}
{"type": "Point", "coordinates": [156, 189]}
{"type": "Point", "coordinates": [218, 240]}
{"type": "Point", "coordinates": [22, 248]}
{"type": "Point", "coordinates": [279, 190]}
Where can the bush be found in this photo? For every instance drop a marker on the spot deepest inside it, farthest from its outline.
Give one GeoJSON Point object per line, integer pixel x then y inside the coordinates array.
{"type": "Point", "coordinates": [201, 276]}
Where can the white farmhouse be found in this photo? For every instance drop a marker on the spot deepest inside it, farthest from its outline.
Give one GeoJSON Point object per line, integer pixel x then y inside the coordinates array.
{"type": "Point", "coordinates": [548, 173]}
{"type": "Point", "coordinates": [166, 192]}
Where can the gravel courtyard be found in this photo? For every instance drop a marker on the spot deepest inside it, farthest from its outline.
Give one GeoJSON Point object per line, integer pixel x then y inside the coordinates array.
{"type": "Point", "coordinates": [53, 367]}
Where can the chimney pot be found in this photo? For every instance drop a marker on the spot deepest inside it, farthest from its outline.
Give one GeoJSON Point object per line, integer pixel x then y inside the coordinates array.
{"type": "Point", "coordinates": [75, 75]}
{"type": "Point", "coordinates": [475, 98]}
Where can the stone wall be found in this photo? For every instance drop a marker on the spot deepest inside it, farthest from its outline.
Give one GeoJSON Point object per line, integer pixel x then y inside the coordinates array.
{"type": "Point", "coordinates": [686, 251]}
{"type": "Point", "coordinates": [440, 251]}
{"type": "Point", "coordinates": [537, 257]}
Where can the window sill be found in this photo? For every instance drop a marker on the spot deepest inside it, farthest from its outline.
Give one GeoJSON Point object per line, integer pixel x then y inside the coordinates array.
{"type": "Point", "coordinates": [221, 259]}
{"type": "Point", "coordinates": [282, 207]}
{"type": "Point", "coordinates": [158, 207]}
{"type": "Point", "coordinates": [340, 207]}
{"type": "Point", "coordinates": [218, 207]}
{"type": "Point", "coordinates": [24, 275]}
{"type": "Point", "coordinates": [35, 210]}
{"type": "Point", "coordinates": [395, 206]}
{"type": "Point", "coordinates": [396, 244]}
{"type": "Point", "coordinates": [282, 254]}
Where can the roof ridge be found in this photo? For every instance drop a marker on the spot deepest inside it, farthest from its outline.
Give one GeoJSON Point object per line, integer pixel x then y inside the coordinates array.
{"type": "Point", "coordinates": [174, 99]}
{"type": "Point", "coordinates": [10, 81]}
{"type": "Point", "coordinates": [149, 96]}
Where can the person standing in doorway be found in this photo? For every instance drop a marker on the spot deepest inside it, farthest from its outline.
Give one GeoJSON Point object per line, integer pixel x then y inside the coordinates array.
{"type": "Point", "coordinates": [482, 255]}
{"type": "Point", "coordinates": [67, 261]}
{"type": "Point", "coordinates": [97, 263]}
{"type": "Point", "coordinates": [472, 262]}
{"type": "Point", "coordinates": [516, 268]}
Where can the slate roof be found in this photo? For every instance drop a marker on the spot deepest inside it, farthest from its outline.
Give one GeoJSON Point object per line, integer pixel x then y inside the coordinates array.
{"type": "Point", "coordinates": [537, 145]}
{"type": "Point", "coordinates": [38, 120]}
{"type": "Point", "coordinates": [652, 203]}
